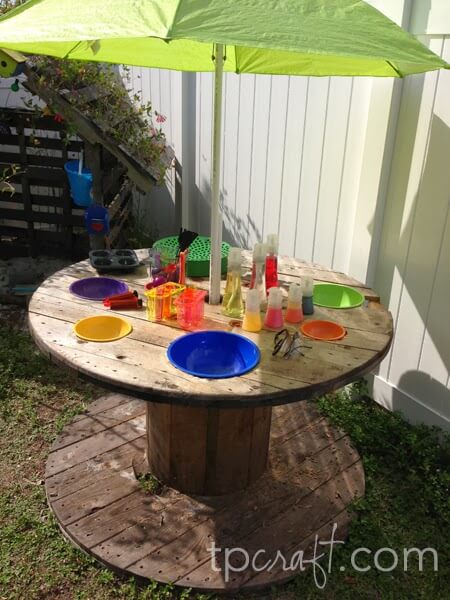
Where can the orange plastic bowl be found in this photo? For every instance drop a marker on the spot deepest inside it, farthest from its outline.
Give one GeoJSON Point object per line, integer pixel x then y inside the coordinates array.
{"type": "Point", "coordinates": [323, 330]}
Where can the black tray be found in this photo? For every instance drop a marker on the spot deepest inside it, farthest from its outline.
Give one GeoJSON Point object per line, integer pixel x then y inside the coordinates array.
{"type": "Point", "coordinates": [114, 260]}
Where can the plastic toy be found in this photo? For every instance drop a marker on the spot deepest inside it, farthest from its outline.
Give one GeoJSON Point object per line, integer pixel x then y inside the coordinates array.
{"type": "Point", "coordinates": [96, 219]}
{"type": "Point", "coordinates": [125, 296]}
{"type": "Point", "coordinates": [190, 307]}
{"type": "Point", "coordinates": [160, 301]}
{"type": "Point", "coordinates": [156, 281]}
{"type": "Point", "coordinates": [132, 303]}
{"type": "Point", "coordinates": [80, 183]}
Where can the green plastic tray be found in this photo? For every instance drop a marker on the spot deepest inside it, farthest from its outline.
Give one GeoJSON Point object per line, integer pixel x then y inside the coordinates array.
{"type": "Point", "coordinates": [332, 295]}
{"type": "Point", "coordinates": [198, 257]}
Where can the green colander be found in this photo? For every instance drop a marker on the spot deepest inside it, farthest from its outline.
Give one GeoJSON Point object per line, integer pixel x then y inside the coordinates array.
{"type": "Point", "coordinates": [198, 257]}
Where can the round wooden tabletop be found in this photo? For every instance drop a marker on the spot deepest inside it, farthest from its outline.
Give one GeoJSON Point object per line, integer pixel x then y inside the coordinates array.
{"type": "Point", "coordinates": [138, 365]}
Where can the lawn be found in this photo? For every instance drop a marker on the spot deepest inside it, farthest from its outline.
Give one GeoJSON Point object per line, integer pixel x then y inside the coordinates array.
{"type": "Point", "coordinates": [407, 501]}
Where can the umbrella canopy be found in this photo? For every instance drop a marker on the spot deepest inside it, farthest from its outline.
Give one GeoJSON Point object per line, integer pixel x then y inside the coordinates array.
{"type": "Point", "coordinates": [285, 37]}
{"type": "Point", "coordinates": [288, 37]}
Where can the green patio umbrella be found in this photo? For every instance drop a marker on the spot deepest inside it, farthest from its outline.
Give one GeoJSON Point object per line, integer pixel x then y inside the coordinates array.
{"type": "Point", "coordinates": [285, 37]}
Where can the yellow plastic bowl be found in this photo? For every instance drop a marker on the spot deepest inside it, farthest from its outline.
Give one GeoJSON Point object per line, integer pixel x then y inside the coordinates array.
{"type": "Point", "coordinates": [102, 328]}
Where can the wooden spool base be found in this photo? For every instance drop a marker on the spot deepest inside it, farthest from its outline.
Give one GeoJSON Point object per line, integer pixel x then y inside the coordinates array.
{"type": "Point", "coordinates": [313, 474]}
{"type": "Point", "coordinates": [207, 451]}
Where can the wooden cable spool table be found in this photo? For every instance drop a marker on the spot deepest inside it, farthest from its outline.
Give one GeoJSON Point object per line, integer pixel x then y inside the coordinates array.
{"type": "Point", "coordinates": [243, 462]}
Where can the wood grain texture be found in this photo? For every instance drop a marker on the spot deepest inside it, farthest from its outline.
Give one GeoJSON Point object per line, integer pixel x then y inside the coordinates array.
{"type": "Point", "coordinates": [314, 474]}
{"type": "Point", "coordinates": [207, 451]}
{"type": "Point", "coordinates": [138, 364]}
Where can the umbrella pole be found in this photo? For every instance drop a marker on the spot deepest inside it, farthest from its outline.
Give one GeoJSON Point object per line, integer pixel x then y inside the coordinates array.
{"type": "Point", "coordinates": [216, 217]}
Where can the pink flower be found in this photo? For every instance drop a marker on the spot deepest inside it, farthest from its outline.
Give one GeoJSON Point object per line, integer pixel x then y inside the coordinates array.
{"type": "Point", "coordinates": [160, 118]}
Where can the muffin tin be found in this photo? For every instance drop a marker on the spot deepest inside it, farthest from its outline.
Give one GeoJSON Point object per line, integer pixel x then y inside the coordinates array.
{"type": "Point", "coordinates": [113, 260]}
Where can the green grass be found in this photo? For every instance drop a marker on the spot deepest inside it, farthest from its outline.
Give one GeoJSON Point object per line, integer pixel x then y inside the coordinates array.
{"type": "Point", "coordinates": [406, 503]}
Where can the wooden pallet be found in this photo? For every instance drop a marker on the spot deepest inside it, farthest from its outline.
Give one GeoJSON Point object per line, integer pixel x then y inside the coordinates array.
{"type": "Point", "coordinates": [40, 216]}
{"type": "Point", "coordinates": [314, 474]}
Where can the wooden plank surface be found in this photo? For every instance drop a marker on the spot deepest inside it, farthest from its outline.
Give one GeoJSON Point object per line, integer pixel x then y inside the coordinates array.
{"type": "Point", "coordinates": [207, 451]}
{"type": "Point", "coordinates": [313, 475]}
{"type": "Point", "coordinates": [137, 364]}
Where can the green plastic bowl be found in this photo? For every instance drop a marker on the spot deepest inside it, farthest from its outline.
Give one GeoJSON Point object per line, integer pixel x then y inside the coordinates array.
{"type": "Point", "coordinates": [198, 257]}
{"type": "Point", "coordinates": [332, 295]}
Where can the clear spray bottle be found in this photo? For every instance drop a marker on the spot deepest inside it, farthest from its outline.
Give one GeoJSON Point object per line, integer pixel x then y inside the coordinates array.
{"type": "Point", "coordinates": [272, 261]}
{"type": "Point", "coordinates": [258, 279]}
{"type": "Point", "coordinates": [252, 318]}
{"type": "Point", "coordinates": [274, 314]}
{"type": "Point", "coordinates": [308, 291]}
{"type": "Point", "coordinates": [294, 312]}
{"type": "Point", "coordinates": [232, 303]}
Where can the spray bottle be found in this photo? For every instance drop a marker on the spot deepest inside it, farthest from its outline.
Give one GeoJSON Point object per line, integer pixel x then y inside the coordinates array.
{"type": "Point", "coordinates": [294, 312]}
{"type": "Point", "coordinates": [232, 304]}
{"type": "Point", "coordinates": [154, 259]}
{"type": "Point", "coordinates": [308, 290]}
{"type": "Point", "coordinates": [252, 318]}
{"type": "Point", "coordinates": [258, 280]}
{"type": "Point", "coordinates": [274, 314]}
{"type": "Point", "coordinates": [272, 261]}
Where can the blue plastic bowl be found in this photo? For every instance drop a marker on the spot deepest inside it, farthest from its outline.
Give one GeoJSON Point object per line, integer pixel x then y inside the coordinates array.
{"type": "Point", "coordinates": [80, 183]}
{"type": "Point", "coordinates": [214, 354]}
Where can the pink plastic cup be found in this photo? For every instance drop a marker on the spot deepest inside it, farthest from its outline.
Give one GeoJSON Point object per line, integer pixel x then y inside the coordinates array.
{"type": "Point", "coordinates": [190, 306]}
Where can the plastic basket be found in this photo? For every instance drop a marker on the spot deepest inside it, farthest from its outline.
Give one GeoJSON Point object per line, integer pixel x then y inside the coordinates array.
{"type": "Point", "coordinates": [198, 257]}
